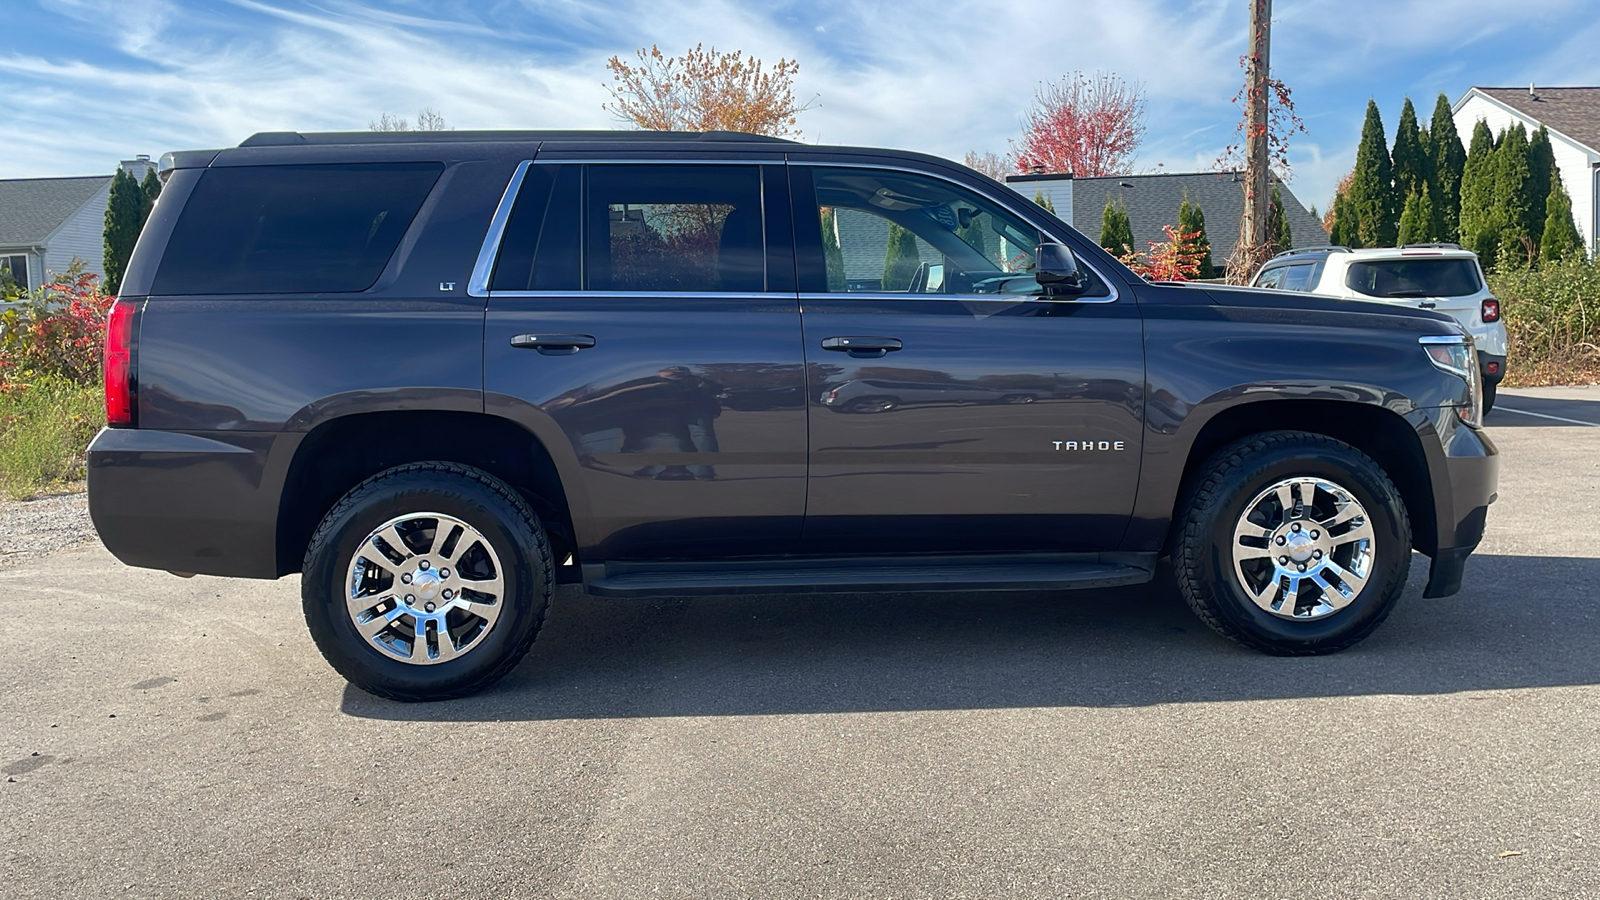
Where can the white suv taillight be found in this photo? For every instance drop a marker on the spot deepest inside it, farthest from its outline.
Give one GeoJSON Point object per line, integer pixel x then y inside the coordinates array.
{"type": "Point", "coordinates": [118, 363]}
{"type": "Point", "coordinates": [1491, 310]}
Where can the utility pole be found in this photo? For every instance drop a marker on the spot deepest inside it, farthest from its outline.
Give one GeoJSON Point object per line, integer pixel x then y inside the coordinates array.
{"type": "Point", "coordinates": [1257, 191]}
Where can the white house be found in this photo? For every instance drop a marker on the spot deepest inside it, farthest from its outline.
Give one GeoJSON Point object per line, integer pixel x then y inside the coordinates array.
{"type": "Point", "coordinates": [46, 223]}
{"type": "Point", "coordinates": [1573, 116]}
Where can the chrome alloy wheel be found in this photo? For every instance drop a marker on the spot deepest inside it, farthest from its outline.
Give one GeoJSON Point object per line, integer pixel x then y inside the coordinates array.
{"type": "Point", "coordinates": [425, 588]}
{"type": "Point", "coordinates": [1304, 548]}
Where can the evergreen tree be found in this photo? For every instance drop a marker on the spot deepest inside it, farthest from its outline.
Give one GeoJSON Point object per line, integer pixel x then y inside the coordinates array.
{"type": "Point", "coordinates": [122, 227]}
{"type": "Point", "coordinates": [1448, 160]}
{"type": "Point", "coordinates": [1416, 222]}
{"type": "Point", "coordinates": [1192, 219]}
{"type": "Point", "coordinates": [1116, 231]}
{"type": "Point", "coordinates": [1372, 189]}
{"type": "Point", "coordinates": [973, 234]}
{"type": "Point", "coordinates": [149, 191]}
{"type": "Point", "coordinates": [1410, 156]}
{"type": "Point", "coordinates": [1561, 239]}
{"type": "Point", "coordinates": [832, 256]}
{"type": "Point", "coordinates": [900, 259]}
{"type": "Point", "coordinates": [1479, 227]}
{"type": "Point", "coordinates": [1343, 232]}
{"type": "Point", "coordinates": [1278, 222]}
{"type": "Point", "coordinates": [1042, 200]}
{"type": "Point", "coordinates": [1513, 200]}
{"type": "Point", "coordinates": [1541, 168]}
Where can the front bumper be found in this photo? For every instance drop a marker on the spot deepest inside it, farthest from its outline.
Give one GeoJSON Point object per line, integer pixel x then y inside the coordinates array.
{"type": "Point", "coordinates": [1465, 475]}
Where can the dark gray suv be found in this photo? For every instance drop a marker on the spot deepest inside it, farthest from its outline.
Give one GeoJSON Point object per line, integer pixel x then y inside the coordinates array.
{"type": "Point", "coordinates": [439, 374]}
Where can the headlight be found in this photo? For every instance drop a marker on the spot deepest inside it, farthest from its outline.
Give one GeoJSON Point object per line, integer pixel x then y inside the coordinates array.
{"type": "Point", "coordinates": [1455, 354]}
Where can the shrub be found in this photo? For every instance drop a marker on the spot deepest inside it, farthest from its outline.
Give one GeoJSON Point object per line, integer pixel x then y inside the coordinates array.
{"type": "Point", "coordinates": [44, 430]}
{"type": "Point", "coordinates": [1552, 317]}
{"type": "Point", "coordinates": [55, 332]}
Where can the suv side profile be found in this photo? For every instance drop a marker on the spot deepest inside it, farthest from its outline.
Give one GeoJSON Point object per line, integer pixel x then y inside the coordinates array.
{"type": "Point", "coordinates": [439, 374]}
{"type": "Point", "coordinates": [1440, 277]}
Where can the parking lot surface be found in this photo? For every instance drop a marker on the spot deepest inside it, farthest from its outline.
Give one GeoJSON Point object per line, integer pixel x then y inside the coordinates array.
{"type": "Point", "coordinates": [183, 738]}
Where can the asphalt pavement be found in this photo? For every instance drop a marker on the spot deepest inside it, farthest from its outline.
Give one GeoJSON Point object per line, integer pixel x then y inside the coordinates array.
{"type": "Point", "coordinates": [162, 737]}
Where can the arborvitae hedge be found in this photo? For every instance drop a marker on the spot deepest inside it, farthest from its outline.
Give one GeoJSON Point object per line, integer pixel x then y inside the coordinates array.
{"type": "Point", "coordinates": [900, 259]}
{"type": "Point", "coordinates": [1116, 231]}
{"type": "Point", "coordinates": [1191, 219]}
{"type": "Point", "coordinates": [1372, 189]}
{"type": "Point", "coordinates": [123, 220]}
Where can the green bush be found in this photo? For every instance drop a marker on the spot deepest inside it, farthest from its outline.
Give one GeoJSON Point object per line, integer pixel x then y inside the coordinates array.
{"type": "Point", "coordinates": [1552, 317]}
{"type": "Point", "coordinates": [44, 429]}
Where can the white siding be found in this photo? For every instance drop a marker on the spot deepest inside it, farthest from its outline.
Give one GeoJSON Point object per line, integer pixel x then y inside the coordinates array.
{"type": "Point", "coordinates": [1058, 191]}
{"type": "Point", "coordinates": [1573, 160]}
{"type": "Point", "coordinates": [82, 236]}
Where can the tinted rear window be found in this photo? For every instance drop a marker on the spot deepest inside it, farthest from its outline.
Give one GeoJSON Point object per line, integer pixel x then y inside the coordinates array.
{"type": "Point", "coordinates": [1415, 278]}
{"type": "Point", "coordinates": [292, 229]}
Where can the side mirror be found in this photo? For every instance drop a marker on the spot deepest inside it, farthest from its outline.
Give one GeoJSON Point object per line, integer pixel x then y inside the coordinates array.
{"type": "Point", "coordinates": [1057, 271]}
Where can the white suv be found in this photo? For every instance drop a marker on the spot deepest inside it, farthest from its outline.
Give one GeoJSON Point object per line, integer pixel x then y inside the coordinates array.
{"type": "Point", "coordinates": [1440, 277]}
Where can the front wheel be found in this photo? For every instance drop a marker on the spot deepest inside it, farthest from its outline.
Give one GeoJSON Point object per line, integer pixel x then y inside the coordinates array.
{"type": "Point", "coordinates": [426, 582]}
{"type": "Point", "coordinates": [1293, 544]}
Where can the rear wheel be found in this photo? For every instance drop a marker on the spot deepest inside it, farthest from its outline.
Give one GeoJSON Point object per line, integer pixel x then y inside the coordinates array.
{"type": "Point", "coordinates": [1293, 544]}
{"type": "Point", "coordinates": [426, 582]}
{"type": "Point", "coordinates": [1488, 397]}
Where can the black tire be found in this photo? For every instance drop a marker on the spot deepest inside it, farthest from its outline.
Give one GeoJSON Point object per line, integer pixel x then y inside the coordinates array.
{"type": "Point", "coordinates": [1488, 397]}
{"type": "Point", "coordinates": [1203, 555]}
{"type": "Point", "coordinates": [489, 505]}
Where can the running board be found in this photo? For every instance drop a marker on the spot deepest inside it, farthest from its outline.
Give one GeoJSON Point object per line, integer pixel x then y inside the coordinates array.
{"type": "Point", "coordinates": [1030, 572]}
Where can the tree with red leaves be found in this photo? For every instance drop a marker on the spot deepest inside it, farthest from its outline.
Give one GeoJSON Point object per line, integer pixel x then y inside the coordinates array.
{"type": "Point", "coordinates": [1175, 259]}
{"type": "Point", "coordinates": [1086, 126]}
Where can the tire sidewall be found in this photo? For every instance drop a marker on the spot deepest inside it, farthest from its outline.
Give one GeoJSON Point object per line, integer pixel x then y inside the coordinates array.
{"type": "Point", "coordinates": [506, 528]}
{"type": "Point", "coordinates": [1392, 547]}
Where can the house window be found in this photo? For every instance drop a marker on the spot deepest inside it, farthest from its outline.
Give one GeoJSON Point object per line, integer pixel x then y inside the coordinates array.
{"type": "Point", "coordinates": [17, 268]}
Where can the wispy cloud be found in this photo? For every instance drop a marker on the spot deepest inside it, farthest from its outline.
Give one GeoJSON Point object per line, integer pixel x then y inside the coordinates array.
{"type": "Point", "coordinates": [119, 78]}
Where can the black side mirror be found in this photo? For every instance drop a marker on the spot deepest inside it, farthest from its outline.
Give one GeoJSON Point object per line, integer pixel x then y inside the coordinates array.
{"type": "Point", "coordinates": [1057, 271]}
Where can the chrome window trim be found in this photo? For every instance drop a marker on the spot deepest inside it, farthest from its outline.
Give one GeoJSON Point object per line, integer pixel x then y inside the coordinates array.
{"type": "Point", "coordinates": [786, 296]}
{"type": "Point", "coordinates": [1110, 284]}
{"type": "Point", "coordinates": [478, 284]}
{"type": "Point", "coordinates": [653, 161]}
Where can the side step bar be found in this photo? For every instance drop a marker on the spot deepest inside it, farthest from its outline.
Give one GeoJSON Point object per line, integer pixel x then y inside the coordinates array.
{"type": "Point", "coordinates": [1030, 572]}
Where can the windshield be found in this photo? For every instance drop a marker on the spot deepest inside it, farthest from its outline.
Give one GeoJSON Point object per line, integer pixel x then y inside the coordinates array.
{"type": "Point", "coordinates": [1415, 278]}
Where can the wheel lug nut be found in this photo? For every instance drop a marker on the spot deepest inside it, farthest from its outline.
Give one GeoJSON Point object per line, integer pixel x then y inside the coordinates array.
{"type": "Point", "coordinates": [423, 565]}
{"type": "Point", "coordinates": [429, 607]}
{"type": "Point", "coordinates": [449, 594]}
{"type": "Point", "coordinates": [1315, 535]}
{"type": "Point", "coordinates": [1302, 567]}
{"type": "Point", "coordinates": [444, 573]}
{"type": "Point", "coordinates": [1316, 554]}
{"type": "Point", "coordinates": [406, 578]}
{"type": "Point", "coordinates": [1294, 527]}
{"type": "Point", "coordinates": [1283, 560]}
{"type": "Point", "coordinates": [1280, 540]}
{"type": "Point", "coordinates": [410, 599]}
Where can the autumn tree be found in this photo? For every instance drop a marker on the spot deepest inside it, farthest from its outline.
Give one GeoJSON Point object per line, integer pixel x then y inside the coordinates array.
{"type": "Point", "coordinates": [427, 120]}
{"type": "Point", "coordinates": [1084, 126]}
{"type": "Point", "coordinates": [990, 163]}
{"type": "Point", "coordinates": [1339, 190]}
{"type": "Point", "coordinates": [705, 90]}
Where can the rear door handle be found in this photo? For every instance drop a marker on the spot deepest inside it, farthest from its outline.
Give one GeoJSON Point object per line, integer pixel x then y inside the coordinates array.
{"type": "Point", "coordinates": [863, 347]}
{"type": "Point", "coordinates": [553, 344]}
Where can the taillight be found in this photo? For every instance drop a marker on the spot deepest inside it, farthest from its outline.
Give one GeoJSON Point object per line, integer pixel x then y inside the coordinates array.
{"type": "Point", "coordinates": [1491, 310]}
{"type": "Point", "coordinates": [119, 366]}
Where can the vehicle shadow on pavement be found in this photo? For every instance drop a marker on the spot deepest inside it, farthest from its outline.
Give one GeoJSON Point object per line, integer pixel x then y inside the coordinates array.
{"type": "Point", "coordinates": [1520, 623]}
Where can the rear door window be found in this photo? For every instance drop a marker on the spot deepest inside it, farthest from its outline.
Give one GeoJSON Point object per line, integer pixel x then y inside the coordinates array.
{"type": "Point", "coordinates": [1415, 278]}
{"type": "Point", "coordinates": [674, 228]}
{"type": "Point", "coordinates": [1271, 278]}
{"type": "Point", "coordinates": [1297, 277]}
{"type": "Point", "coordinates": [292, 229]}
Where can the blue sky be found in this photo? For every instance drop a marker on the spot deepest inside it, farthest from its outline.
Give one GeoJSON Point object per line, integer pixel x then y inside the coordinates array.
{"type": "Point", "coordinates": [88, 82]}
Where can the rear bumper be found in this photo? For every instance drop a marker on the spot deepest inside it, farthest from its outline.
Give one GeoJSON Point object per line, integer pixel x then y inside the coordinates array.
{"type": "Point", "coordinates": [185, 502]}
{"type": "Point", "coordinates": [1488, 361]}
{"type": "Point", "coordinates": [1465, 483]}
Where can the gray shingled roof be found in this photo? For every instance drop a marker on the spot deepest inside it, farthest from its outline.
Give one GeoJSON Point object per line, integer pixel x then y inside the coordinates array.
{"type": "Point", "coordinates": [1153, 201]}
{"type": "Point", "coordinates": [1573, 111]}
{"type": "Point", "coordinates": [31, 208]}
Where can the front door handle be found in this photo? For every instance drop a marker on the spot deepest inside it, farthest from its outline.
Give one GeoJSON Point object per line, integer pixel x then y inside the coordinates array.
{"type": "Point", "coordinates": [553, 344]}
{"type": "Point", "coordinates": [863, 347]}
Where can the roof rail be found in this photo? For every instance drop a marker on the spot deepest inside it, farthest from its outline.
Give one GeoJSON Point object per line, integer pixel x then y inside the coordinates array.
{"type": "Point", "coordinates": [290, 138]}
{"type": "Point", "coordinates": [1294, 250]}
{"type": "Point", "coordinates": [1436, 245]}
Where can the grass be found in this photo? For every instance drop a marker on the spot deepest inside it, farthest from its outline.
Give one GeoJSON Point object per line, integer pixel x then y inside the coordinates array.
{"type": "Point", "coordinates": [45, 427]}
